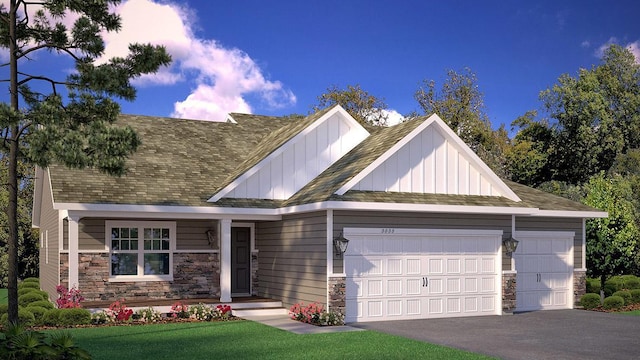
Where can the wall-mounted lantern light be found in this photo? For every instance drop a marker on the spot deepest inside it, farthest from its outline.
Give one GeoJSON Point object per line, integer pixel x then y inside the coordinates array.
{"type": "Point", "coordinates": [340, 243]}
{"type": "Point", "coordinates": [212, 238]}
{"type": "Point", "coordinates": [510, 245]}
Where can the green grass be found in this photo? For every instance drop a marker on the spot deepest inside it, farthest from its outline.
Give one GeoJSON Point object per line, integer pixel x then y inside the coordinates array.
{"type": "Point", "coordinates": [250, 340]}
{"type": "Point", "coordinates": [634, 312]}
{"type": "Point", "coordinates": [4, 296]}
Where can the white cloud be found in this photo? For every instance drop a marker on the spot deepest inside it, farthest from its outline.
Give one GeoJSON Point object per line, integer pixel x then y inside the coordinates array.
{"type": "Point", "coordinates": [394, 117]}
{"type": "Point", "coordinates": [634, 47]}
{"type": "Point", "coordinates": [222, 77]}
{"type": "Point", "coordinates": [585, 44]}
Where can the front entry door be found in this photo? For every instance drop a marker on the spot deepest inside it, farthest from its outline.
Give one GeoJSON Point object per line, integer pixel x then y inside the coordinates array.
{"type": "Point", "coordinates": [240, 261]}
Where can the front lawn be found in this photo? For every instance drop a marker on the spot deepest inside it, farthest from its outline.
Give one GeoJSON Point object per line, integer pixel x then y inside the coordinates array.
{"type": "Point", "coordinates": [249, 340]}
{"type": "Point", "coordinates": [634, 312]}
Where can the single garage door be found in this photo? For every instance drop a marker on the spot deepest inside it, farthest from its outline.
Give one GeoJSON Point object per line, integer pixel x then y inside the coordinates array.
{"type": "Point", "coordinates": [544, 265]}
{"type": "Point", "coordinates": [418, 273]}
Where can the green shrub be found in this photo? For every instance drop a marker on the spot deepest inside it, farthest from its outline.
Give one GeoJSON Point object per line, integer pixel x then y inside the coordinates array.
{"type": "Point", "coordinates": [593, 286]}
{"type": "Point", "coordinates": [30, 284]}
{"type": "Point", "coordinates": [18, 343]}
{"type": "Point", "coordinates": [635, 296]}
{"type": "Point", "coordinates": [590, 301]}
{"type": "Point", "coordinates": [74, 316]}
{"type": "Point", "coordinates": [51, 317]}
{"type": "Point", "coordinates": [613, 302]}
{"type": "Point", "coordinates": [625, 295]}
{"type": "Point", "coordinates": [630, 282]}
{"type": "Point", "coordinates": [42, 303]}
{"type": "Point", "coordinates": [38, 312]}
{"type": "Point", "coordinates": [32, 279]}
{"type": "Point", "coordinates": [30, 297]}
{"type": "Point", "coordinates": [610, 288]}
{"type": "Point", "coordinates": [25, 318]}
{"type": "Point", "coordinates": [26, 290]}
{"type": "Point", "coordinates": [4, 308]}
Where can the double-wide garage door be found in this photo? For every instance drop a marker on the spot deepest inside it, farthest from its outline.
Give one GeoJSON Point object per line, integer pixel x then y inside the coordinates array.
{"type": "Point", "coordinates": [418, 273]}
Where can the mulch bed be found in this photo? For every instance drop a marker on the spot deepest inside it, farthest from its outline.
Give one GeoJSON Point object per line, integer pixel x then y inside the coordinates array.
{"type": "Point", "coordinates": [632, 307]}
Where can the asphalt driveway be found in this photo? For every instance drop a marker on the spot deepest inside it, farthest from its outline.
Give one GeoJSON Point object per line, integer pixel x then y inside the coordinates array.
{"type": "Point", "coordinates": [554, 334]}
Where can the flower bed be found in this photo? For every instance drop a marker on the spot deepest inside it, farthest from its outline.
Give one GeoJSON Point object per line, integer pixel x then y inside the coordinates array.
{"type": "Point", "coordinates": [315, 314]}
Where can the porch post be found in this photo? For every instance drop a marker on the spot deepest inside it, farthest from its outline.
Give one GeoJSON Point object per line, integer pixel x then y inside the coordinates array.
{"type": "Point", "coordinates": [225, 260]}
{"type": "Point", "coordinates": [73, 251]}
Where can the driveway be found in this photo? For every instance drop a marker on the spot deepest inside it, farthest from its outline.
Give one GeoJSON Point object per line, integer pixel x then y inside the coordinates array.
{"type": "Point", "coordinates": [553, 334]}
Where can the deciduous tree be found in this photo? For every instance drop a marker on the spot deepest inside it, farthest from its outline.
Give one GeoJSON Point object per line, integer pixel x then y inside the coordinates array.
{"type": "Point", "coordinates": [359, 103]}
{"type": "Point", "coordinates": [68, 120]}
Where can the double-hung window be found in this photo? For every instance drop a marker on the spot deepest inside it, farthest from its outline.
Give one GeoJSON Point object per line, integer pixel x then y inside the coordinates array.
{"type": "Point", "coordinates": [141, 250]}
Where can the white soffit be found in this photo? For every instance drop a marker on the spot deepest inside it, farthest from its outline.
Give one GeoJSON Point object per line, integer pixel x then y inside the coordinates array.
{"type": "Point", "coordinates": [443, 129]}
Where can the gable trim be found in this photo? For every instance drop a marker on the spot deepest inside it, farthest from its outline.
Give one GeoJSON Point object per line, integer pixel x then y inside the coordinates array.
{"type": "Point", "coordinates": [292, 141]}
{"type": "Point", "coordinates": [452, 137]}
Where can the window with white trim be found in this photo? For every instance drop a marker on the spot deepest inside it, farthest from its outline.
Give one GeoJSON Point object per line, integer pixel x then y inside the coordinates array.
{"type": "Point", "coordinates": [141, 250]}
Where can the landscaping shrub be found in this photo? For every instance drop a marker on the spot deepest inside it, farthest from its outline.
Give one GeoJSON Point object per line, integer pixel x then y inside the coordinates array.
{"type": "Point", "coordinates": [630, 282]}
{"type": "Point", "coordinates": [4, 308]}
{"type": "Point", "coordinates": [68, 298]}
{"type": "Point", "coordinates": [315, 314]}
{"type": "Point", "coordinates": [613, 303]}
{"type": "Point", "coordinates": [593, 285]}
{"type": "Point", "coordinates": [148, 315]}
{"type": "Point", "coordinates": [590, 301]}
{"type": "Point", "coordinates": [25, 318]}
{"type": "Point", "coordinates": [180, 310]}
{"type": "Point", "coordinates": [26, 290]}
{"type": "Point", "coordinates": [31, 279]}
{"type": "Point", "coordinates": [74, 316]}
{"type": "Point", "coordinates": [624, 294]}
{"type": "Point", "coordinates": [42, 303]}
{"type": "Point", "coordinates": [202, 312]}
{"type": "Point", "coordinates": [38, 312]}
{"type": "Point", "coordinates": [29, 284]}
{"type": "Point", "coordinates": [18, 343]}
{"type": "Point", "coordinates": [51, 317]}
{"type": "Point", "coordinates": [635, 296]}
{"type": "Point", "coordinates": [610, 288]}
{"type": "Point", "coordinates": [30, 297]}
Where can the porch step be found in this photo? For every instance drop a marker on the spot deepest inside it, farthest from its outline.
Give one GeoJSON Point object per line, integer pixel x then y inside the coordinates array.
{"type": "Point", "coordinates": [262, 311]}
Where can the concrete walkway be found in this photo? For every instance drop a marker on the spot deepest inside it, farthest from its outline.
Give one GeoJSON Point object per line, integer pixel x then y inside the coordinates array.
{"type": "Point", "coordinates": [283, 322]}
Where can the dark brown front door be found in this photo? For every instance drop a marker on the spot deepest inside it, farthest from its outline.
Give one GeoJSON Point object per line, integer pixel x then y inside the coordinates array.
{"type": "Point", "coordinates": [240, 260]}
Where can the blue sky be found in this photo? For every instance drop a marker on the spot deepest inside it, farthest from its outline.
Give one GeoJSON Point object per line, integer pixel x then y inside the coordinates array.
{"type": "Point", "coordinates": [276, 57]}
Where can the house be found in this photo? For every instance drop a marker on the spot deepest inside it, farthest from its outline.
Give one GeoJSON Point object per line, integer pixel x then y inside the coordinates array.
{"type": "Point", "coordinates": [253, 206]}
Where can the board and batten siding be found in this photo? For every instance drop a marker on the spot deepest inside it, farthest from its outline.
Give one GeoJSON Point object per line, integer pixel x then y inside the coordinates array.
{"type": "Point", "coordinates": [342, 219]}
{"type": "Point", "coordinates": [296, 165]}
{"type": "Point", "coordinates": [191, 234]}
{"type": "Point", "coordinates": [556, 224]}
{"type": "Point", "coordinates": [430, 164]}
{"type": "Point", "coordinates": [292, 259]}
{"type": "Point", "coordinates": [49, 255]}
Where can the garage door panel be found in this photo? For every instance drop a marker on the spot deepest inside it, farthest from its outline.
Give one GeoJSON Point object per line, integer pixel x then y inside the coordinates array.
{"type": "Point", "coordinates": [450, 279]}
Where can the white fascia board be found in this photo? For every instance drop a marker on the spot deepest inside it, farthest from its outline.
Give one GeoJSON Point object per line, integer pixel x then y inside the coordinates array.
{"type": "Point", "coordinates": [504, 189]}
{"type": "Point", "coordinates": [165, 212]}
{"type": "Point", "coordinates": [291, 142]}
{"type": "Point", "coordinates": [572, 214]}
{"type": "Point", "coordinates": [36, 206]}
{"type": "Point", "coordinates": [377, 162]}
{"type": "Point", "coordinates": [230, 119]}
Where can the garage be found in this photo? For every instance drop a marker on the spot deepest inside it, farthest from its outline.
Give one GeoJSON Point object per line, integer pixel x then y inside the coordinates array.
{"type": "Point", "coordinates": [544, 265]}
{"type": "Point", "coordinates": [396, 273]}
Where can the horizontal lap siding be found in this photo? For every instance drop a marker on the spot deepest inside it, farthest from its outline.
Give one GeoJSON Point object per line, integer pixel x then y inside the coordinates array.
{"type": "Point", "coordinates": [556, 224]}
{"type": "Point", "coordinates": [49, 256]}
{"type": "Point", "coordinates": [292, 259]}
{"type": "Point", "coordinates": [191, 234]}
{"type": "Point", "coordinates": [372, 219]}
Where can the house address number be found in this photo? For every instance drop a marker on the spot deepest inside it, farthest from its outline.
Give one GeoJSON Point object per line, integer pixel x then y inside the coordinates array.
{"type": "Point", "coordinates": [388, 231]}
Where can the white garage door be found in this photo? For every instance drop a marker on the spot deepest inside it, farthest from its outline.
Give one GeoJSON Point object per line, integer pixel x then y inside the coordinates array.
{"type": "Point", "coordinates": [417, 273]}
{"type": "Point", "coordinates": [544, 265]}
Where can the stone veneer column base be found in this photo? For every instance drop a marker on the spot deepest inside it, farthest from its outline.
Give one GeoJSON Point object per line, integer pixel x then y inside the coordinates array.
{"type": "Point", "coordinates": [579, 285]}
{"type": "Point", "coordinates": [508, 292]}
{"type": "Point", "coordinates": [337, 294]}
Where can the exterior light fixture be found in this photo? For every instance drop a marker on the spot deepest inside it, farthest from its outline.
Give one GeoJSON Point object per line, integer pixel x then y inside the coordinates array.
{"type": "Point", "coordinates": [510, 245]}
{"type": "Point", "coordinates": [340, 243]}
{"type": "Point", "coordinates": [211, 237]}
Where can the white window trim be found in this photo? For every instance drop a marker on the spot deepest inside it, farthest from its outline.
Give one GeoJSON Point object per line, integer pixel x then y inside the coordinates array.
{"type": "Point", "coordinates": [171, 225]}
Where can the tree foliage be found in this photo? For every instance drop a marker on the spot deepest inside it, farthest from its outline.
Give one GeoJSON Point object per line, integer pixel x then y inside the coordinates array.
{"type": "Point", "coordinates": [613, 242]}
{"type": "Point", "coordinates": [71, 119]}
{"type": "Point", "coordinates": [460, 103]}
{"type": "Point", "coordinates": [596, 116]}
{"type": "Point", "coordinates": [367, 109]}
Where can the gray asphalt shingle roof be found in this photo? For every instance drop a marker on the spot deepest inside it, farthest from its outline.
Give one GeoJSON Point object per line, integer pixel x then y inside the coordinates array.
{"type": "Point", "coordinates": [185, 162]}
